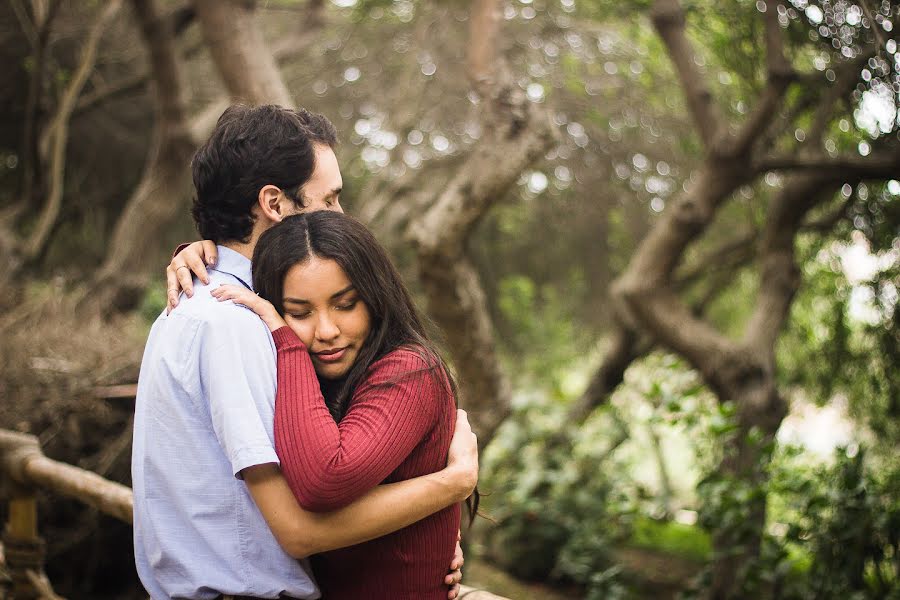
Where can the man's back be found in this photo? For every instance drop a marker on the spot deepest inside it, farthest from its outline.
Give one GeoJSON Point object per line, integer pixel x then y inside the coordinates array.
{"type": "Point", "coordinates": [204, 411]}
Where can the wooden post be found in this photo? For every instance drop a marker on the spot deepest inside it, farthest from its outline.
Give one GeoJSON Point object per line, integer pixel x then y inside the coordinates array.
{"type": "Point", "coordinates": [23, 547]}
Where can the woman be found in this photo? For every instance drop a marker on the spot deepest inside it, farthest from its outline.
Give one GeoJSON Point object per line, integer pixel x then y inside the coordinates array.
{"type": "Point", "coordinates": [362, 398]}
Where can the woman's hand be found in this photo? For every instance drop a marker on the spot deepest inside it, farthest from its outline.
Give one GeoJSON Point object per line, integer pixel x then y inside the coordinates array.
{"type": "Point", "coordinates": [191, 261]}
{"type": "Point", "coordinates": [241, 295]}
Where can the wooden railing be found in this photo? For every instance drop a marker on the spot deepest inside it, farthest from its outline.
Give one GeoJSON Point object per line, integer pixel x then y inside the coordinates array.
{"type": "Point", "coordinates": [25, 469]}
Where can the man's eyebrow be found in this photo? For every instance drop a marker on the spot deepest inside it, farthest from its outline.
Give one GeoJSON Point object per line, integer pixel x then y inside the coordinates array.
{"type": "Point", "coordinates": [338, 294]}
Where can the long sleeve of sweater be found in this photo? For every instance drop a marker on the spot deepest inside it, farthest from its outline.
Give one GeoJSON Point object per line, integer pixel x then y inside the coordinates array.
{"type": "Point", "coordinates": [328, 465]}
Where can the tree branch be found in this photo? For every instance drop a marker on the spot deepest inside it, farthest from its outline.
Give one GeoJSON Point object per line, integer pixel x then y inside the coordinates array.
{"type": "Point", "coordinates": [668, 19]}
{"type": "Point", "coordinates": [483, 30]}
{"type": "Point", "coordinates": [846, 77]}
{"type": "Point", "coordinates": [285, 50]}
{"type": "Point", "coordinates": [29, 28]}
{"type": "Point", "coordinates": [60, 127]}
{"type": "Point", "coordinates": [740, 245]}
{"type": "Point", "coordinates": [780, 74]}
{"type": "Point", "coordinates": [625, 346]}
{"type": "Point", "coordinates": [240, 54]}
{"type": "Point", "coordinates": [777, 65]}
{"type": "Point", "coordinates": [780, 277]}
{"type": "Point", "coordinates": [841, 167]}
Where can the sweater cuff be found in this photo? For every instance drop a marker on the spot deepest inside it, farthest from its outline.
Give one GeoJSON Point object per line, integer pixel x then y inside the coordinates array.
{"type": "Point", "coordinates": [285, 337]}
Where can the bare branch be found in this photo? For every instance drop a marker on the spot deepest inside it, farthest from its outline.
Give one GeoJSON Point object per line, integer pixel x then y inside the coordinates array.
{"type": "Point", "coordinates": [674, 325]}
{"type": "Point", "coordinates": [29, 28]}
{"type": "Point", "coordinates": [845, 81]}
{"type": "Point", "coordinates": [873, 23]}
{"type": "Point", "coordinates": [841, 167]}
{"type": "Point", "coordinates": [165, 182]}
{"type": "Point", "coordinates": [668, 18]}
{"type": "Point", "coordinates": [780, 74]}
{"type": "Point", "coordinates": [123, 87]}
{"type": "Point", "coordinates": [483, 29]}
{"type": "Point", "coordinates": [777, 64]}
{"type": "Point", "coordinates": [35, 243]}
{"type": "Point", "coordinates": [826, 222]}
{"type": "Point", "coordinates": [287, 49]}
{"type": "Point", "coordinates": [239, 52]}
{"type": "Point", "coordinates": [780, 276]}
{"type": "Point", "coordinates": [625, 346]}
{"type": "Point", "coordinates": [733, 249]}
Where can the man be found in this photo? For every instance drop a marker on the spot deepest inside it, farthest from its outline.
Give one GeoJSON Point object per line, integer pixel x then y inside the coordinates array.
{"type": "Point", "coordinates": [214, 517]}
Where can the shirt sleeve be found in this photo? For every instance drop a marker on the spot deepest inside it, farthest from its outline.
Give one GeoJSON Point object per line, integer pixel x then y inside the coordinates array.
{"type": "Point", "coordinates": [237, 372]}
{"type": "Point", "coordinates": [328, 465]}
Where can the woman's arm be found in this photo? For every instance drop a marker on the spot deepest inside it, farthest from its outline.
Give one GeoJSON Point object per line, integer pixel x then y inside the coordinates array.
{"type": "Point", "coordinates": [379, 511]}
{"type": "Point", "coordinates": [328, 465]}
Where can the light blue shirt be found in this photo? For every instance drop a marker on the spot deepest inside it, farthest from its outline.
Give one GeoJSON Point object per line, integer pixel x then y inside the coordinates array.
{"type": "Point", "coordinates": [204, 411]}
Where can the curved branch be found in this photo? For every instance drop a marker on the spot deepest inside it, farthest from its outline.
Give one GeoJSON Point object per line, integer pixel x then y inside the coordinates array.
{"type": "Point", "coordinates": [668, 19]}
{"type": "Point", "coordinates": [483, 29]}
{"type": "Point", "coordinates": [239, 52]}
{"type": "Point", "coordinates": [60, 128]}
{"type": "Point", "coordinates": [841, 167]}
{"type": "Point", "coordinates": [780, 74]}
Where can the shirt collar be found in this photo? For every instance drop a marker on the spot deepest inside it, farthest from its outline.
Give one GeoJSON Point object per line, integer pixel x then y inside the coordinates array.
{"type": "Point", "coordinates": [235, 264]}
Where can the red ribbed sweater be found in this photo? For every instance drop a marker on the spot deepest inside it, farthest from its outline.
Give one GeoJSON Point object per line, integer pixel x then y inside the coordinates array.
{"type": "Point", "coordinates": [398, 426]}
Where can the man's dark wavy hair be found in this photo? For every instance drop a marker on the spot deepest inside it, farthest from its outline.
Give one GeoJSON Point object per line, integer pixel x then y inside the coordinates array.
{"type": "Point", "coordinates": [251, 147]}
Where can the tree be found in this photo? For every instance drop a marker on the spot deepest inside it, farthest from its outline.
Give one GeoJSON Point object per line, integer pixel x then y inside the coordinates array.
{"type": "Point", "coordinates": [646, 295]}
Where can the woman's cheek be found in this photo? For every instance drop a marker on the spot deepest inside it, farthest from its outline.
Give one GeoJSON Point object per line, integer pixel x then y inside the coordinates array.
{"type": "Point", "coordinates": [301, 328]}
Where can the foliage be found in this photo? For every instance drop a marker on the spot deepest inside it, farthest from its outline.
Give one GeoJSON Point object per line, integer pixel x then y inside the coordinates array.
{"type": "Point", "coordinates": [557, 512]}
{"type": "Point", "coordinates": [846, 519]}
{"type": "Point", "coordinates": [669, 537]}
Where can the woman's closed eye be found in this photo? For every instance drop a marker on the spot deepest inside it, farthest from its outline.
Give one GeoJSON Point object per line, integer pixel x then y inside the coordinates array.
{"type": "Point", "coordinates": [347, 305]}
{"type": "Point", "coordinates": [298, 315]}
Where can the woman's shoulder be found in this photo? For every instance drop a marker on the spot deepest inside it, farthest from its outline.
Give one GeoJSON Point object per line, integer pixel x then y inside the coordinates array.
{"type": "Point", "coordinates": [407, 364]}
{"type": "Point", "coordinates": [409, 358]}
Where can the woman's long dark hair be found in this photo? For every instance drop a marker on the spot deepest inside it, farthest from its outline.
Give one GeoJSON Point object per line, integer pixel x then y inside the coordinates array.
{"type": "Point", "coordinates": [395, 322]}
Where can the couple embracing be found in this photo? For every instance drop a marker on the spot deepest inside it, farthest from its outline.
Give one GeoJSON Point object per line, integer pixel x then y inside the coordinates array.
{"type": "Point", "coordinates": [296, 432]}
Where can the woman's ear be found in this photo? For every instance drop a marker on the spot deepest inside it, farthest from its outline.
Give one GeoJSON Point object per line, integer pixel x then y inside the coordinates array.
{"type": "Point", "coordinates": [273, 203]}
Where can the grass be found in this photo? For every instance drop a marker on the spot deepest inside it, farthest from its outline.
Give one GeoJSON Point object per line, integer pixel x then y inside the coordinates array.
{"type": "Point", "coordinates": [666, 537]}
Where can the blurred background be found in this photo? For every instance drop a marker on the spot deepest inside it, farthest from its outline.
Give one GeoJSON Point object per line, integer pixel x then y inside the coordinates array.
{"type": "Point", "coordinates": [660, 238]}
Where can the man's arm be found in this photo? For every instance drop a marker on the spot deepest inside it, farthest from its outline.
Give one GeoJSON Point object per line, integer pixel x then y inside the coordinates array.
{"type": "Point", "coordinates": [380, 511]}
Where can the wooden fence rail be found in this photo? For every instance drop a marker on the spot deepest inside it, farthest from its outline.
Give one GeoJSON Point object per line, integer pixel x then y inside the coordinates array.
{"type": "Point", "coordinates": [26, 469]}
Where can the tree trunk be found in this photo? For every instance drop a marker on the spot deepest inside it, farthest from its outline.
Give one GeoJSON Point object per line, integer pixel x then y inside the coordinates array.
{"type": "Point", "coordinates": [515, 133]}
{"type": "Point", "coordinates": [242, 58]}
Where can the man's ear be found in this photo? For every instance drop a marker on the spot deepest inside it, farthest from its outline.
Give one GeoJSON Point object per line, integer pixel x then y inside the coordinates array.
{"type": "Point", "coordinates": [273, 203]}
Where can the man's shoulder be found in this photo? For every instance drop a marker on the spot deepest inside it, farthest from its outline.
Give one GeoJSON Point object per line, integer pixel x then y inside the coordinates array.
{"type": "Point", "coordinates": [203, 307]}
{"type": "Point", "coordinates": [205, 318]}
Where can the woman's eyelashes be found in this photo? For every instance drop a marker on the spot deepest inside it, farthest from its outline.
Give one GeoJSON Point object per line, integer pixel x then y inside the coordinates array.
{"type": "Point", "coordinates": [347, 304]}
{"type": "Point", "coordinates": [344, 305]}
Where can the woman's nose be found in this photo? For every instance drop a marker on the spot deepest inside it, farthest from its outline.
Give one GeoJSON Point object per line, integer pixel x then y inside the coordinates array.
{"type": "Point", "coordinates": [327, 329]}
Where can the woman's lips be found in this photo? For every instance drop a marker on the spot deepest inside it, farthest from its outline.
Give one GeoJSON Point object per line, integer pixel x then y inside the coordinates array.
{"type": "Point", "coordinates": [330, 355]}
